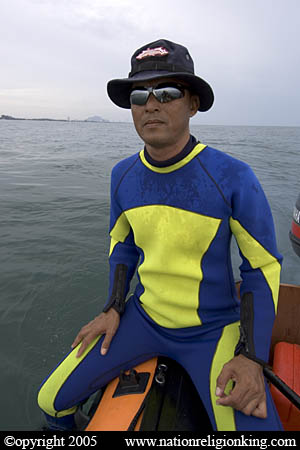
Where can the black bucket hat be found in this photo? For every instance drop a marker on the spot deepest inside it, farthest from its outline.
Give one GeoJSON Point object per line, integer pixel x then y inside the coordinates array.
{"type": "Point", "coordinates": [156, 60]}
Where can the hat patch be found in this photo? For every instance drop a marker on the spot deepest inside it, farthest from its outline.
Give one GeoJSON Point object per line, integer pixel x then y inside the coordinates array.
{"type": "Point", "coordinates": [158, 51]}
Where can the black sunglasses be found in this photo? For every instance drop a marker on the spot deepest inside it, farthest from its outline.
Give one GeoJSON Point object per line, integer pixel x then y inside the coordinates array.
{"type": "Point", "coordinates": [164, 93]}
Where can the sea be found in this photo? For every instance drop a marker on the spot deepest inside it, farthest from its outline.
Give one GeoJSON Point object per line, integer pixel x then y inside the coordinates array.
{"type": "Point", "coordinates": [54, 212]}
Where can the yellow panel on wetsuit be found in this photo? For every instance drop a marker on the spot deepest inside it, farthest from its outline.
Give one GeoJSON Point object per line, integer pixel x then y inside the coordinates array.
{"type": "Point", "coordinates": [258, 257]}
{"type": "Point", "coordinates": [171, 271]}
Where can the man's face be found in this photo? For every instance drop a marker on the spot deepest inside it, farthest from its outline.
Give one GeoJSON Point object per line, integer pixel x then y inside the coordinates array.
{"type": "Point", "coordinates": [164, 124]}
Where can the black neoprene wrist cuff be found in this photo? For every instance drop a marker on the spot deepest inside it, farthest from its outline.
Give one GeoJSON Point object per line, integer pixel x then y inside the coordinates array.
{"type": "Point", "coordinates": [117, 298]}
{"type": "Point", "coordinates": [245, 345]}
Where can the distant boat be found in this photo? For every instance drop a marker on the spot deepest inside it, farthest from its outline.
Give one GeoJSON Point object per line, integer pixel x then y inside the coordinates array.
{"type": "Point", "coordinates": [295, 228]}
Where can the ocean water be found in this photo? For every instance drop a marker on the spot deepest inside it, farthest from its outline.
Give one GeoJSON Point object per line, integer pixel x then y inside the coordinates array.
{"type": "Point", "coordinates": [54, 209]}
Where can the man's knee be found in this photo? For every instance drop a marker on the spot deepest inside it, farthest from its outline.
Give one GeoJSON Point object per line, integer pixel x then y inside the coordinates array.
{"type": "Point", "coordinates": [46, 401]}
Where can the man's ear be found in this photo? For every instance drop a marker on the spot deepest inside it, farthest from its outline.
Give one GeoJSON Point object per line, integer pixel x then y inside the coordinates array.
{"type": "Point", "coordinates": [194, 104]}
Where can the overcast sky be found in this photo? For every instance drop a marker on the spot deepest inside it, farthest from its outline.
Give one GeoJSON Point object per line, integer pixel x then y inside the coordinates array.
{"type": "Point", "coordinates": [57, 55]}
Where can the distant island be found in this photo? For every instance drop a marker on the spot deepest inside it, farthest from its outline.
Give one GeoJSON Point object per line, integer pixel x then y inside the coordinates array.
{"type": "Point", "coordinates": [97, 119]}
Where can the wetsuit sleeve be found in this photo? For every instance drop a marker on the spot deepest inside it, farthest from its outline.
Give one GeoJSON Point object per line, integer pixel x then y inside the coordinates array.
{"type": "Point", "coordinates": [253, 227]}
{"type": "Point", "coordinates": [123, 254]}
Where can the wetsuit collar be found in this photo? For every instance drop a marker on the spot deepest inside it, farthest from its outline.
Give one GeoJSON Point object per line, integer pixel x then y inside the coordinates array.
{"type": "Point", "coordinates": [192, 149]}
{"type": "Point", "coordinates": [169, 162]}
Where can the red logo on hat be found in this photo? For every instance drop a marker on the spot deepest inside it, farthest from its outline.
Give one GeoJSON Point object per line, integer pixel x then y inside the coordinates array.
{"type": "Point", "coordinates": [158, 51]}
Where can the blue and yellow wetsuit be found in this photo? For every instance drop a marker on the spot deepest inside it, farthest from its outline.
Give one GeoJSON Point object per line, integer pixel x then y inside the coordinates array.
{"type": "Point", "coordinates": [174, 221]}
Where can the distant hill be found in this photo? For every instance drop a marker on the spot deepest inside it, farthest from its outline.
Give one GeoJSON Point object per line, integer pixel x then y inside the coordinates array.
{"type": "Point", "coordinates": [95, 119]}
{"type": "Point", "coordinates": [5, 117]}
{"type": "Point", "coordinates": [90, 119]}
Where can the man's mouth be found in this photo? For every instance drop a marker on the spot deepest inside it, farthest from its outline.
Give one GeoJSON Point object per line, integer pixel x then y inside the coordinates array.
{"type": "Point", "coordinates": [153, 122]}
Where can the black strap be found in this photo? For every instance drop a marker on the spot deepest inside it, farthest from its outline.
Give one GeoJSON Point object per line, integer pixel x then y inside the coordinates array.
{"type": "Point", "coordinates": [282, 387]}
{"type": "Point", "coordinates": [139, 412]}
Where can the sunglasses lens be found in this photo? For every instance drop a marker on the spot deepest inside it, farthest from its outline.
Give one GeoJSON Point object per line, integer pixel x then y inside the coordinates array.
{"type": "Point", "coordinates": [162, 94]}
{"type": "Point", "coordinates": [139, 97]}
{"type": "Point", "coordinates": [167, 94]}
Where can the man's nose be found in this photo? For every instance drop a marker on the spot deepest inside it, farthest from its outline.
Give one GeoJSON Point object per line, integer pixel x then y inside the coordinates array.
{"type": "Point", "coordinates": [152, 103]}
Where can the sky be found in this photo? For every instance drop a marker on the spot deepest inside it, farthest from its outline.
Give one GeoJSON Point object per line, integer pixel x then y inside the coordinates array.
{"type": "Point", "coordinates": [58, 55]}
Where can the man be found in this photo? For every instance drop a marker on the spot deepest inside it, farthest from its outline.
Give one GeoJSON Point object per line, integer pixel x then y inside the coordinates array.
{"type": "Point", "coordinates": [174, 208]}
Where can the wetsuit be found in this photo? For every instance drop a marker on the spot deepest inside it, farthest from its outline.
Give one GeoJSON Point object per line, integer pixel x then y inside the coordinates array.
{"type": "Point", "coordinates": [174, 221]}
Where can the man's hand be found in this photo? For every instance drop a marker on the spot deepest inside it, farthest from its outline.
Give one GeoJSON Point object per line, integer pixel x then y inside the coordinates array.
{"type": "Point", "coordinates": [106, 323]}
{"type": "Point", "coordinates": [248, 394]}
